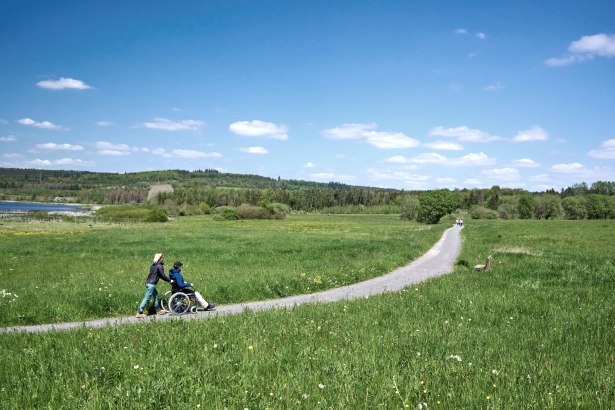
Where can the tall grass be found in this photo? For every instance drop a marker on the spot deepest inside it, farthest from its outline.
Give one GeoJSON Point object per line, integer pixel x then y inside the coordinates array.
{"type": "Point", "coordinates": [536, 331]}
{"type": "Point", "coordinates": [68, 272]}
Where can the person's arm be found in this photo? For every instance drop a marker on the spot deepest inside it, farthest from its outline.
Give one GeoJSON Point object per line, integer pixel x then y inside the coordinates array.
{"type": "Point", "coordinates": [179, 279]}
{"type": "Point", "coordinates": [161, 275]}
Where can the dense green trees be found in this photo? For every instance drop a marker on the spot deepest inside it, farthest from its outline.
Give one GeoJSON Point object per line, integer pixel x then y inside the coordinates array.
{"type": "Point", "coordinates": [202, 191]}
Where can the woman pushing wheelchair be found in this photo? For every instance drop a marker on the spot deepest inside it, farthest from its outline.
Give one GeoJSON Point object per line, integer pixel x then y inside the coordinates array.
{"type": "Point", "coordinates": [183, 292]}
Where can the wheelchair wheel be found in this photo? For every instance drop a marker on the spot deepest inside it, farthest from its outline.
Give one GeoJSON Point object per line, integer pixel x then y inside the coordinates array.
{"type": "Point", "coordinates": [179, 303]}
{"type": "Point", "coordinates": [164, 300]}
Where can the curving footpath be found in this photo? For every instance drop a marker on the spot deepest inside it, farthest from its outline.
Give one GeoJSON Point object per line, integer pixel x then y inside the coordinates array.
{"type": "Point", "coordinates": [437, 261]}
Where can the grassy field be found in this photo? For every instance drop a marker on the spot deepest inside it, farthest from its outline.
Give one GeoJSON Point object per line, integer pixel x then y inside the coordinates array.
{"type": "Point", "coordinates": [72, 271]}
{"type": "Point", "coordinates": [537, 331]}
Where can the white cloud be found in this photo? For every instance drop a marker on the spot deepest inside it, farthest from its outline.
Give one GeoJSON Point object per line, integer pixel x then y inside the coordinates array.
{"type": "Point", "coordinates": [104, 123]}
{"type": "Point", "coordinates": [44, 124]}
{"type": "Point", "coordinates": [533, 134]}
{"type": "Point", "coordinates": [573, 167]}
{"type": "Point", "coordinates": [259, 129]}
{"type": "Point", "coordinates": [444, 146]}
{"type": "Point", "coordinates": [3, 121]}
{"type": "Point", "coordinates": [390, 140]}
{"type": "Point", "coordinates": [472, 159]}
{"type": "Point", "coordinates": [480, 35]}
{"type": "Point", "coordinates": [63, 83]}
{"type": "Point", "coordinates": [349, 131]}
{"type": "Point", "coordinates": [525, 163]}
{"type": "Point", "coordinates": [472, 182]}
{"type": "Point", "coordinates": [598, 44]}
{"type": "Point", "coordinates": [12, 155]}
{"type": "Point", "coordinates": [607, 150]}
{"type": "Point", "coordinates": [446, 181]}
{"type": "Point", "coordinates": [494, 87]}
{"type": "Point", "coordinates": [429, 158]}
{"type": "Point", "coordinates": [185, 153]}
{"type": "Point", "coordinates": [8, 138]}
{"type": "Point", "coordinates": [111, 146]}
{"type": "Point", "coordinates": [368, 133]}
{"type": "Point", "coordinates": [309, 165]}
{"type": "Point", "coordinates": [63, 162]}
{"type": "Point", "coordinates": [168, 125]}
{"type": "Point", "coordinates": [112, 153]}
{"type": "Point", "coordinates": [51, 146]}
{"type": "Point", "coordinates": [586, 48]}
{"type": "Point", "coordinates": [398, 159]}
{"type": "Point", "coordinates": [502, 174]}
{"type": "Point", "coordinates": [389, 175]}
{"type": "Point", "coordinates": [464, 133]}
{"type": "Point", "coordinates": [461, 31]}
{"type": "Point", "coordinates": [254, 150]}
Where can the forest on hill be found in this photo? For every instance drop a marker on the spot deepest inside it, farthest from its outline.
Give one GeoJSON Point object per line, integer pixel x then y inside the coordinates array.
{"type": "Point", "coordinates": [200, 191]}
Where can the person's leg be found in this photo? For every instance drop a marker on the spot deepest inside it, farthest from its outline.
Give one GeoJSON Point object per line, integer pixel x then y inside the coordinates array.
{"type": "Point", "coordinates": [149, 288]}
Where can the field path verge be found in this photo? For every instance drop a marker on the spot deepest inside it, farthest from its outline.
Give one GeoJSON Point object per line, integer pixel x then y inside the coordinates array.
{"type": "Point", "coordinates": [437, 261]}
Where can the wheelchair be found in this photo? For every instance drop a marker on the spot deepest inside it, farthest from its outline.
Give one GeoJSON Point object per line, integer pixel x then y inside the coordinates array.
{"type": "Point", "coordinates": [179, 303]}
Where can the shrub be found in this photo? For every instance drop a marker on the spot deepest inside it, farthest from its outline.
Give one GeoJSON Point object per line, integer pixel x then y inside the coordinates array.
{"type": "Point", "coordinates": [480, 212]}
{"type": "Point", "coordinates": [246, 211]}
{"type": "Point", "coordinates": [409, 207]}
{"type": "Point", "coordinates": [226, 213]}
{"type": "Point", "coordinates": [205, 207]}
{"type": "Point", "coordinates": [157, 215]}
{"type": "Point", "coordinates": [124, 212]}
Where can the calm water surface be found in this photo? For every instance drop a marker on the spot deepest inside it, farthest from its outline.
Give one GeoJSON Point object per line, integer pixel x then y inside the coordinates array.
{"type": "Point", "coordinates": [37, 206]}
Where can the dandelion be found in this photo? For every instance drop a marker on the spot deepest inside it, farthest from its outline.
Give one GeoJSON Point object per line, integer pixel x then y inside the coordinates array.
{"type": "Point", "coordinates": [136, 366]}
{"type": "Point", "coordinates": [494, 372]}
{"type": "Point", "coordinates": [250, 347]}
{"type": "Point", "coordinates": [488, 397]}
{"type": "Point", "coordinates": [321, 386]}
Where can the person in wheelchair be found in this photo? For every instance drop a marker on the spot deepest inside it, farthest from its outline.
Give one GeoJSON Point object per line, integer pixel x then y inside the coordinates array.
{"type": "Point", "coordinates": [180, 285]}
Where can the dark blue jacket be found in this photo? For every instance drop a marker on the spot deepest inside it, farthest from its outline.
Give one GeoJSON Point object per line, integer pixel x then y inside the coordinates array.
{"type": "Point", "coordinates": [175, 274]}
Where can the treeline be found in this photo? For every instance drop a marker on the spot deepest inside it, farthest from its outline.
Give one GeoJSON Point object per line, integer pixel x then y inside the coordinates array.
{"type": "Point", "coordinates": [197, 190]}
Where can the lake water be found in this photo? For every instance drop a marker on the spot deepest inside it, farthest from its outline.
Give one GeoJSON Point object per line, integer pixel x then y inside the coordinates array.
{"type": "Point", "coordinates": [38, 206]}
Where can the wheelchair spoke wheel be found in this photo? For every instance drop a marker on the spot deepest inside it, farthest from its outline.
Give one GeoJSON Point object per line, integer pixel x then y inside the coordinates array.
{"type": "Point", "coordinates": [179, 303]}
{"type": "Point", "coordinates": [164, 300]}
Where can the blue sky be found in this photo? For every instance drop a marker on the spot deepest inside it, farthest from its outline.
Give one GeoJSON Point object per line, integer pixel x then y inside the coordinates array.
{"type": "Point", "coordinates": [398, 94]}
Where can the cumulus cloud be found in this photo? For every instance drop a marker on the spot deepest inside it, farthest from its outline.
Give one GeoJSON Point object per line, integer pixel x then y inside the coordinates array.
{"type": "Point", "coordinates": [573, 167]}
{"type": "Point", "coordinates": [63, 162]}
{"type": "Point", "coordinates": [472, 159]}
{"type": "Point", "coordinates": [43, 124]}
{"type": "Point", "coordinates": [51, 146]}
{"type": "Point", "coordinates": [481, 36]}
{"type": "Point", "coordinates": [586, 48]}
{"type": "Point", "coordinates": [429, 158]}
{"type": "Point", "coordinates": [259, 129]}
{"type": "Point", "coordinates": [533, 134]}
{"type": "Point", "coordinates": [444, 146]}
{"type": "Point", "coordinates": [464, 133]}
{"type": "Point", "coordinates": [309, 165]}
{"type": "Point", "coordinates": [104, 123]}
{"type": "Point", "coordinates": [254, 150]}
{"type": "Point", "coordinates": [525, 163]}
{"type": "Point", "coordinates": [368, 134]}
{"type": "Point", "coordinates": [606, 151]}
{"type": "Point", "coordinates": [387, 174]}
{"type": "Point", "coordinates": [8, 138]}
{"type": "Point", "coordinates": [115, 150]}
{"type": "Point", "coordinates": [461, 31]}
{"type": "Point", "coordinates": [64, 83]}
{"type": "Point", "coordinates": [168, 125]}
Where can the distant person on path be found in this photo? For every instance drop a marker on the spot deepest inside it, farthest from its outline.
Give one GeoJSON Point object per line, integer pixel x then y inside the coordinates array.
{"type": "Point", "coordinates": [179, 285]}
{"type": "Point", "coordinates": [461, 222]}
{"type": "Point", "coordinates": [156, 271]}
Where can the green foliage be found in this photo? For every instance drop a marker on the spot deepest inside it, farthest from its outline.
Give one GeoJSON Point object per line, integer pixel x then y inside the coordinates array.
{"type": "Point", "coordinates": [205, 207]}
{"type": "Point", "coordinates": [525, 207]}
{"type": "Point", "coordinates": [548, 206]}
{"type": "Point", "coordinates": [433, 205]}
{"type": "Point", "coordinates": [121, 212]}
{"type": "Point", "coordinates": [157, 215]}
{"type": "Point", "coordinates": [409, 207]}
{"type": "Point", "coordinates": [226, 213]}
{"type": "Point", "coordinates": [575, 207]}
{"type": "Point", "coordinates": [480, 212]}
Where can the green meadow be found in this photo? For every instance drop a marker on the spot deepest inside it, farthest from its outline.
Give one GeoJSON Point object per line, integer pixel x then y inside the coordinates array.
{"type": "Point", "coordinates": [536, 331]}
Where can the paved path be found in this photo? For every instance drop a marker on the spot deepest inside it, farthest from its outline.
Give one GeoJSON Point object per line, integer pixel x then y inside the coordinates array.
{"type": "Point", "coordinates": [437, 261]}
